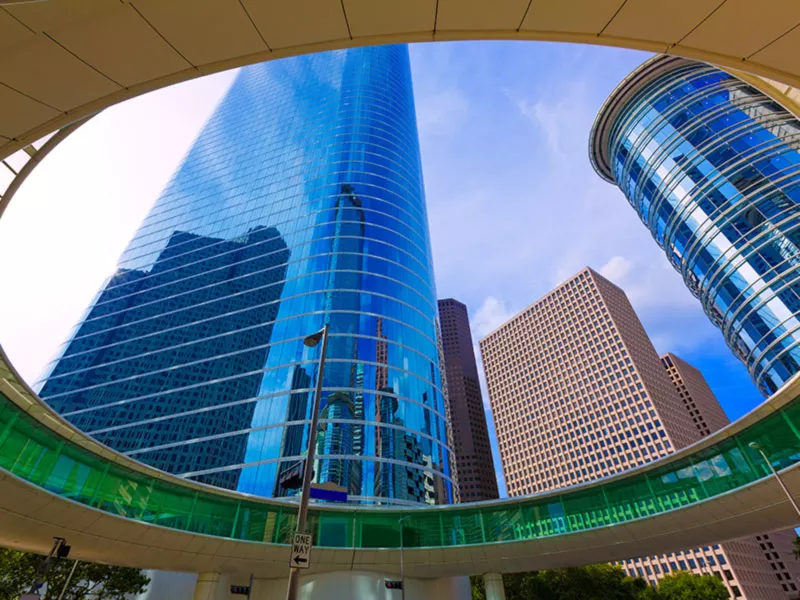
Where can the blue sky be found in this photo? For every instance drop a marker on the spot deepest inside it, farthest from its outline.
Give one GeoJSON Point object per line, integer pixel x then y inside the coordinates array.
{"type": "Point", "coordinates": [514, 206]}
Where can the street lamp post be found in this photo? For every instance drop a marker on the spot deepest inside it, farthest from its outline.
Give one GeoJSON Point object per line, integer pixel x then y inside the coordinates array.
{"type": "Point", "coordinates": [60, 550]}
{"type": "Point", "coordinates": [310, 341]}
{"type": "Point", "coordinates": [402, 563]}
{"type": "Point", "coordinates": [756, 446]}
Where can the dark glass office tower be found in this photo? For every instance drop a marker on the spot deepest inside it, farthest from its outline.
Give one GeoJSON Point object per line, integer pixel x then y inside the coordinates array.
{"type": "Point", "coordinates": [711, 166]}
{"type": "Point", "coordinates": [473, 453]}
{"type": "Point", "coordinates": [300, 203]}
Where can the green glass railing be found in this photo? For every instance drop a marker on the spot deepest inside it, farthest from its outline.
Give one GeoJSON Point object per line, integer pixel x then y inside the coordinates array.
{"type": "Point", "coordinates": [37, 449]}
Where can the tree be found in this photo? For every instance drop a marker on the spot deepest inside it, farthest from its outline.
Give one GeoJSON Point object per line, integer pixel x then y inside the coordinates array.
{"type": "Point", "coordinates": [598, 582]}
{"type": "Point", "coordinates": [603, 582]}
{"type": "Point", "coordinates": [689, 586]}
{"type": "Point", "coordinates": [90, 581]}
{"type": "Point", "coordinates": [595, 582]}
{"type": "Point", "coordinates": [796, 550]}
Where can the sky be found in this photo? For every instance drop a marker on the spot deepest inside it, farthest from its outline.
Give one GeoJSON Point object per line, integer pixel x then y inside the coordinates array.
{"type": "Point", "coordinates": [514, 205]}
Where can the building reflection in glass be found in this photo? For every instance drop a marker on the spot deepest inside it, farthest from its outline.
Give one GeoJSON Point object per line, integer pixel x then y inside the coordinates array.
{"type": "Point", "coordinates": [300, 203]}
{"type": "Point", "coordinates": [711, 166]}
{"type": "Point", "coordinates": [164, 351]}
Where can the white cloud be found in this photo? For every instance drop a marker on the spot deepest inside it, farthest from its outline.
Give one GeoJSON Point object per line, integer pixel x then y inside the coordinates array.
{"type": "Point", "coordinates": [489, 316]}
{"type": "Point", "coordinates": [441, 104]}
{"type": "Point", "coordinates": [670, 312]}
{"type": "Point", "coordinates": [442, 112]}
{"type": "Point", "coordinates": [649, 285]}
{"type": "Point", "coordinates": [561, 118]}
{"type": "Point", "coordinates": [73, 217]}
{"type": "Point", "coordinates": [616, 269]}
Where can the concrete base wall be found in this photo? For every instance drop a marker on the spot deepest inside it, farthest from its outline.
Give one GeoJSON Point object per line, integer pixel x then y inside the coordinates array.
{"type": "Point", "coordinates": [166, 584]}
{"type": "Point", "coordinates": [363, 586]}
{"type": "Point", "coordinates": [328, 586]}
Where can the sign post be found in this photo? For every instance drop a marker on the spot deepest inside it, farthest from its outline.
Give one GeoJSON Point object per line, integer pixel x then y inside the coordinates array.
{"type": "Point", "coordinates": [301, 551]}
{"type": "Point", "coordinates": [297, 560]}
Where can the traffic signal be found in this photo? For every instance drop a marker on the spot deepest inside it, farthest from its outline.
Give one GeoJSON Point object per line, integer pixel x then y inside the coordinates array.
{"type": "Point", "coordinates": [63, 550]}
{"type": "Point", "coordinates": [240, 590]}
{"type": "Point", "coordinates": [291, 478]}
{"type": "Point", "coordinates": [392, 584]}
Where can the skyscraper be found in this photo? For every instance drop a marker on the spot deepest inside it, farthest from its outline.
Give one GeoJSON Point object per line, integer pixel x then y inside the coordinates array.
{"type": "Point", "coordinates": [300, 203]}
{"type": "Point", "coordinates": [578, 392]}
{"type": "Point", "coordinates": [695, 394]}
{"type": "Point", "coordinates": [743, 570]}
{"type": "Point", "coordinates": [473, 453]}
{"type": "Point", "coordinates": [711, 166]}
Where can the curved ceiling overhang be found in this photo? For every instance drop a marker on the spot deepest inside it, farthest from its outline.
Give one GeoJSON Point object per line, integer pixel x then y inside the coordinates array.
{"type": "Point", "coordinates": [61, 60]}
{"type": "Point", "coordinates": [56, 480]}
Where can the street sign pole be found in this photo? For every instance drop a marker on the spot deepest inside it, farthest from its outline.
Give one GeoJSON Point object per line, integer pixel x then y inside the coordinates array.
{"type": "Point", "coordinates": [301, 551]}
{"type": "Point", "coordinates": [302, 512]}
{"type": "Point", "coordinates": [401, 521]}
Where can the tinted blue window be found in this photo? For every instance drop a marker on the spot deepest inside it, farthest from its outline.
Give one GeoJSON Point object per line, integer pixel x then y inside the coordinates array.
{"type": "Point", "coordinates": [300, 203]}
{"type": "Point", "coordinates": [711, 166]}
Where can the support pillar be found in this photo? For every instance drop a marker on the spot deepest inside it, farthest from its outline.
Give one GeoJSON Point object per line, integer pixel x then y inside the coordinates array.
{"type": "Point", "coordinates": [493, 582]}
{"type": "Point", "coordinates": [206, 586]}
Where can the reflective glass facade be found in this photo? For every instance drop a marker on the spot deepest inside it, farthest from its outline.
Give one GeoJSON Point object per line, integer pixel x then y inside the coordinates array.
{"type": "Point", "coordinates": [300, 203]}
{"type": "Point", "coordinates": [712, 168]}
{"type": "Point", "coordinates": [31, 450]}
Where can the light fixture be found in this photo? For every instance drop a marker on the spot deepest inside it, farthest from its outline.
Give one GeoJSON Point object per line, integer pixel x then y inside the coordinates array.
{"type": "Point", "coordinates": [313, 339]}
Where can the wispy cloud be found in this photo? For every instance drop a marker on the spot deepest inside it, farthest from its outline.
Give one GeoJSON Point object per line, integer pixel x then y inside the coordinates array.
{"type": "Point", "coordinates": [73, 217]}
{"type": "Point", "coordinates": [489, 316]}
{"type": "Point", "coordinates": [442, 112]}
{"type": "Point", "coordinates": [442, 105]}
{"type": "Point", "coordinates": [515, 207]}
{"type": "Point", "coordinates": [560, 119]}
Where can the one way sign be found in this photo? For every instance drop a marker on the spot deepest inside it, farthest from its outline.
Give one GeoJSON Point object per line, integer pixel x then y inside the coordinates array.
{"type": "Point", "coordinates": [301, 551]}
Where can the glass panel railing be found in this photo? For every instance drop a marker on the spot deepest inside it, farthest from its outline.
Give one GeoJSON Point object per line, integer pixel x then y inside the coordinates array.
{"type": "Point", "coordinates": [34, 452]}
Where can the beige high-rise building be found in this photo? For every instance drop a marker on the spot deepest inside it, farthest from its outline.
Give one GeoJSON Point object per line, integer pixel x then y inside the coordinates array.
{"type": "Point", "coordinates": [578, 392]}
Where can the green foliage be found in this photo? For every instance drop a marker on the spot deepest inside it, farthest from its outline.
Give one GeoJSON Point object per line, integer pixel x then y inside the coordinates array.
{"type": "Point", "coordinates": [90, 581]}
{"type": "Point", "coordinates": [796, 550]}
{"type": "Point", "coordinates": [603, 582]}
{"type": "Point", "coordinates": [689, 586]}
{"type": "Point", "coordinates": [476, 585]}
{"type": "Point", "coordinates": [594, 582]}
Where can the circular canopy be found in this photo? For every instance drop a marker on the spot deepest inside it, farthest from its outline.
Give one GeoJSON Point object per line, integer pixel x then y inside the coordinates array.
{"type": "Point", "coordinates": [61, 60]}
{"type": "Point", "coordinates": [57, 481]}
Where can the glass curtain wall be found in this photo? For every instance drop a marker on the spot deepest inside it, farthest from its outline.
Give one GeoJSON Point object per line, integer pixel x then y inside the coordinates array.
{"type": "Point", "coordinates": [711, 166]}
{"type": "Point", "coordinates": [300, 203]}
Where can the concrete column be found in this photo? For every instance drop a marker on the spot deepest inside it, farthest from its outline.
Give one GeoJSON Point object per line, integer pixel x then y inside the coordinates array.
{"type": "Point", "coordinates": [493, 582]}
{"type": "Point", "coordinates": [206, 586]}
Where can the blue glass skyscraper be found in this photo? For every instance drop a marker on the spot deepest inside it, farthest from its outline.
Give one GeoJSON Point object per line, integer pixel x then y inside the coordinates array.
{"type": "Point", "coordinates": [712, 167]}
{"type": "Point", "coordinates": [301, 202]}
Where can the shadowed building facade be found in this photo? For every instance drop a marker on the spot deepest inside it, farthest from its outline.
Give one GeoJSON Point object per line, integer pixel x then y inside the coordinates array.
{"type": "Point", "coordinates": [206, 303]}
{"type": "Point", "coordinates": [300, 203]}
{"type": "Point", "coordinates": [473, 453]}
{"type": "Point", "coordinates": [711, 166]}
{"type": "Point", "coordinates": [578, 392]}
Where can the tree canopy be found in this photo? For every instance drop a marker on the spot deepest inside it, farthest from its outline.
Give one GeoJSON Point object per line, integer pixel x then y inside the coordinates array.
{"type": "Point", "coordinates": [603, 582]}
{"type": "Point", "coordinates": [689, 586]}
{"type": "Point", "coordinates": [90, 581]}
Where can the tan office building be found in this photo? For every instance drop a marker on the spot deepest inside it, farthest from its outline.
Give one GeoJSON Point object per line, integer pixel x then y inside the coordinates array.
{"type": "Point", "coordinates": [578, 392]}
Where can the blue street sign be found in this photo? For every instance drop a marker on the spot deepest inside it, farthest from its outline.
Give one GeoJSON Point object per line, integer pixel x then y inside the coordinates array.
{"type": "Point", "coordinates": [330, 495]}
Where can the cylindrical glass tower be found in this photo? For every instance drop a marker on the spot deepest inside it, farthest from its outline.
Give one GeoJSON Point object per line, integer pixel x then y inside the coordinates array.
{"type": "Point", "coordinates": [711, 166]}
{"type": "Point", "coordinates": [301, 202]}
